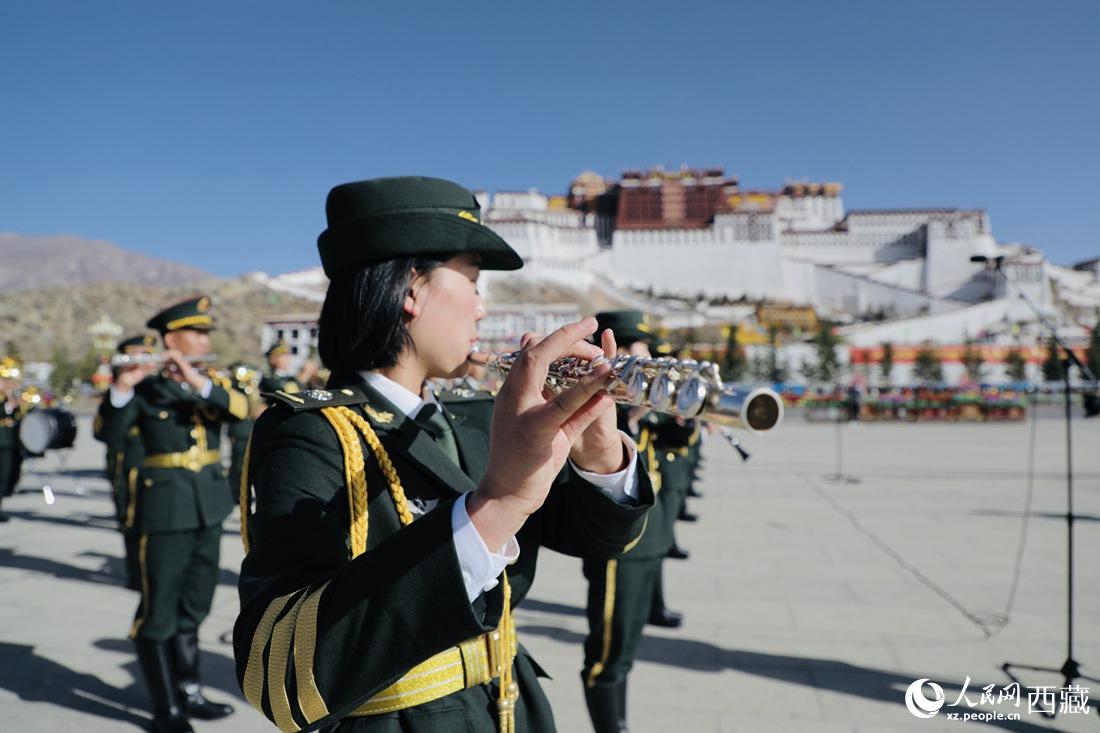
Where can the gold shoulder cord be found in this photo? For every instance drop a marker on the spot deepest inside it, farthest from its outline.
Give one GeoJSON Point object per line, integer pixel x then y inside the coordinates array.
{"type": "Point", "coordinates": [349, 425]}
{"type": "Point", "coordinates": [244, 492]}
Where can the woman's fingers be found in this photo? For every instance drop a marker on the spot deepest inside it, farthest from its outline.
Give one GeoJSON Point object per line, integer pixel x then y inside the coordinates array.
{"type": "Point", "coordinates": [562, 407]}
{"type": "Point", "coordinates": [607, 341]}
{"type": "Point", "coordinates": [587, 414]}
{"type": "Point", "coordinates": [528, 372]}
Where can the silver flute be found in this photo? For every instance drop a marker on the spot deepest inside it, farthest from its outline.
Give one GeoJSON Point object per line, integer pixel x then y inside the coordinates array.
{"type": "Point", "coordinates": [151, 358]}
{"type": "Point", "coordinates": [682, 387]}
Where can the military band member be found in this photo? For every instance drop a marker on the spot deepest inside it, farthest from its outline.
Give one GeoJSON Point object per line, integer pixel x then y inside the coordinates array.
{"type": "Point", "coordinates": [620, 589]}
{"type": "Point", "coordinates": [393, 535]}
{"type": "Point", "coordinates": [280, 377]}
{"type": "Point", "coordinates": [182, 500]}
{"type": "Point", "coordinates": [11, 456]}
{"type": "Point", "coordinates": [124, 459]}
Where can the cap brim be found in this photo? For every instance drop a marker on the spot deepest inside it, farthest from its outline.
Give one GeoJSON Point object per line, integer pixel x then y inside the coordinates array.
{"type": "Point", "coordinates": [359, 243]}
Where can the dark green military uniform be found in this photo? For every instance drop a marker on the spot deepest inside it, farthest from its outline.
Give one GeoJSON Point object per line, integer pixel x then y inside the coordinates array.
{"type": "Point", "coordinates": [620, 589]}
{"type": "Point", "coordinates": [246, 380]}
{"type": "Point", "coordinates": [274, 381]}
{"type": "Point", "coordinates": [373, 617]}
{"type": "Point", "coordinates": [354, 610]}
{"type": "Point", "coordinates": [182, 499]}
{"type": "Point", "coordinates": [124, 460]}
{"type": "Point", "coordinates": [11, 453]}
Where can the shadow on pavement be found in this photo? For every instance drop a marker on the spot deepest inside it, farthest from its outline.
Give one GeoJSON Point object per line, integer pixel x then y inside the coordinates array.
{"type": "Point", "coordinates": [1037, 515]}
{"type": "Point", "coordinates": [106, 575]}
{"type": "Point", "coordinates": [218, 670]}
{"type": "Point", "coordinates": [111, 571]}
{"type": "Point", "coordinates": [83, 521]}
{"type": "Point", "coordinates": [824, 674]}
{"type": "Point", "coordinates": [532, 604]}
{"type": "Point", "coordinates": [38, 679]}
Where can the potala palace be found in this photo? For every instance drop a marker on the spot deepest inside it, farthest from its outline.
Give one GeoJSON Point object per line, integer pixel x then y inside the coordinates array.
{"type": "Point", "coordinates": [894, 275]}
{"type": "Point", "coordinates": [695, 248]}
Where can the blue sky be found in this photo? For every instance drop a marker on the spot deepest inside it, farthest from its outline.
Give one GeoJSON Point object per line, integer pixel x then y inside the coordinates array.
{"type": "Point", "coordinates": [210, 132]}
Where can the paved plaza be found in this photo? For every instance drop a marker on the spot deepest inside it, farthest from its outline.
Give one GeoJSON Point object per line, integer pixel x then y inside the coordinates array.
{"type": "Point", "coordinates": [811, 604]}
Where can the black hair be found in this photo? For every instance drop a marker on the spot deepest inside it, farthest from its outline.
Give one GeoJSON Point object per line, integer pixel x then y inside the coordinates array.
{"type": "Point", "coordinates": [362, 325]}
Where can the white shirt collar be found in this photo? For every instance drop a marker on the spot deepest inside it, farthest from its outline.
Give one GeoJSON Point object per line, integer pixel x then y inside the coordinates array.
{"type": "Point", "coordinates": [400, 396]}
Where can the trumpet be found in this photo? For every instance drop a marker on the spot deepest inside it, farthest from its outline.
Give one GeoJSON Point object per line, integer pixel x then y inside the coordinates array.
{"type": "Point", "coordinates": [683, 387]}
{"type": "Point", "coordinates": [119, 360]}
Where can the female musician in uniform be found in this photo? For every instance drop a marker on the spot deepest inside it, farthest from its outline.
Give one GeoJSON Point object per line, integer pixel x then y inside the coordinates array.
{"type": "Point", "coordinates": [392, 534]}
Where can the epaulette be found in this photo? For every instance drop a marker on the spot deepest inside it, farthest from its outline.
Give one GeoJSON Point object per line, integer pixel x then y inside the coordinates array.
{"type": "Point", "coordinates": [315, 399]}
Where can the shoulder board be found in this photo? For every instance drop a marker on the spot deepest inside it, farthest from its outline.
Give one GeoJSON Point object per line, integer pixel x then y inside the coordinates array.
{"type": "Point", "coordinates": [463, 394]}
{"type": "Point", "coordinates": [315, 399]}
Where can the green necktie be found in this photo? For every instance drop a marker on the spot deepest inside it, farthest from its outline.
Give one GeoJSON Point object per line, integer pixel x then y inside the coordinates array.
{"type": "Point", "coordinates": [433, 421]}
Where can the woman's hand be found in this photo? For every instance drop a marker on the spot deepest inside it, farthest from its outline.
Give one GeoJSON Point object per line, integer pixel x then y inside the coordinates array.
{"type": "Point", "coordinates": [600, 448]}
{"type": "Point", "coordinates": [534, 431]}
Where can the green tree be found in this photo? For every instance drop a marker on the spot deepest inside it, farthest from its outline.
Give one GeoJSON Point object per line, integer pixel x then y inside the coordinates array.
{"type": "Point", "coordinates": [61, 378]}
{"type": "Point", "coordinates": [85, 368]}
{"type": "Point", "coordinates": [1052, 365]}
{"type": "Point", "coordinates": [886, 362]}
{"type": "Point", "coordinates": [1016, 366]}
{"type": "Point", "coordinates": [1092, 358]}
{"type": "Point", "coordinates": [825, 343]}
{"type": "Point", "coordinates": [12, 350]}
{"type": "Point", "coordinates": [768, 366]}
{"type": "Point", "coordinates": [927, 365]}
{"type": "Point", "coordinates": [733, 363]}
{"type": "Point", "coordinates": [973, 361]}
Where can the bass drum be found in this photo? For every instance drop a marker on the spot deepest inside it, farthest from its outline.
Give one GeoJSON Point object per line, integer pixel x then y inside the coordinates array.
{"type": "Point", "coordinates": [47, 428]}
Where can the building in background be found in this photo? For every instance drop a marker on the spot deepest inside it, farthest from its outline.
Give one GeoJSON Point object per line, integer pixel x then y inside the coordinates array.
{"type": "Point", "coordinates": [299, 330]}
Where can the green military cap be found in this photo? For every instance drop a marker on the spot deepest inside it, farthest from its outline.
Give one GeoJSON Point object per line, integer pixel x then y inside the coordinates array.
{"type": "Point", "coordinates": [279, 347]}
{"type": "Point", "coordinates": [128, 345]}
{"type": "Point", "coordinates": [388, 218]}
{"type": "Point", "coordinates": [193, 313]}
{"type": "Point", "coordinates": [627, 325]}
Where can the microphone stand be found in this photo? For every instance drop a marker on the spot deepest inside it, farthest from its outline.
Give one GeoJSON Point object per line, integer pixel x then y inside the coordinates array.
{"type": "Point", "coordinates": [1070, 669]}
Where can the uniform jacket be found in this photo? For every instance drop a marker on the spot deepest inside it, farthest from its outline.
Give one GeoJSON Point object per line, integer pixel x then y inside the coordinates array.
{"type": "Point", "coordinates": [403, 600]}
{"type": "Point", "coordinates": [172, 419]}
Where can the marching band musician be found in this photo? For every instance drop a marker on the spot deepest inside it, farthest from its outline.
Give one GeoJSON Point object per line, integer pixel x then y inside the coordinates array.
{"type": "Point", "coordinates": [124, 459]}
{"type": "Point", "coordinates": [182, 501]}
{"type": "Point", "coordinates": [11, 457]}
{"type": "Point", "coordinates": [393, 534]}
{"type": "Point", "coordinates": [620, 589]}
{"type": "Point", "coordinates": [279, 376]}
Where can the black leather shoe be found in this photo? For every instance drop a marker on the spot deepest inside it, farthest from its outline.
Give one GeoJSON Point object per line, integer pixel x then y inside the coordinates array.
{"type": "Point", "coordinates": [197, 706]}
{"type": "Point", "coordinates": [693, 493]}
{"type": "Point", "coordinates": [678, 553]}
{"type": "Point", "coordinates": [665, 618]}
{"type": "Point", "coordinates": [168, 717]}
{"type": "Point", "coordinates": [686, 516]}
{"type": "Point", "coordinates": [185, 646]}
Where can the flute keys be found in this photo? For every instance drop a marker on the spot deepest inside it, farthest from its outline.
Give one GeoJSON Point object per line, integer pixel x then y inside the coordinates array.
{"type": "Point", "coordinates": [691, 397]}
{"type": "Point", "coordinates": [661, 392]}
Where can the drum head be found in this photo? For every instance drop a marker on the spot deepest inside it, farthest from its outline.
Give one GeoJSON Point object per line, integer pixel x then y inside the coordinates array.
{"type": "Point", "coordinates": [35, 432]}
{"type": "Point", "coordinates": [47, 428]}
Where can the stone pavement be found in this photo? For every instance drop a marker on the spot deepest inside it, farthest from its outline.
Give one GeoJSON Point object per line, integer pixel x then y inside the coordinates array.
{"type": "Point", "coordinates": [811, 604]}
